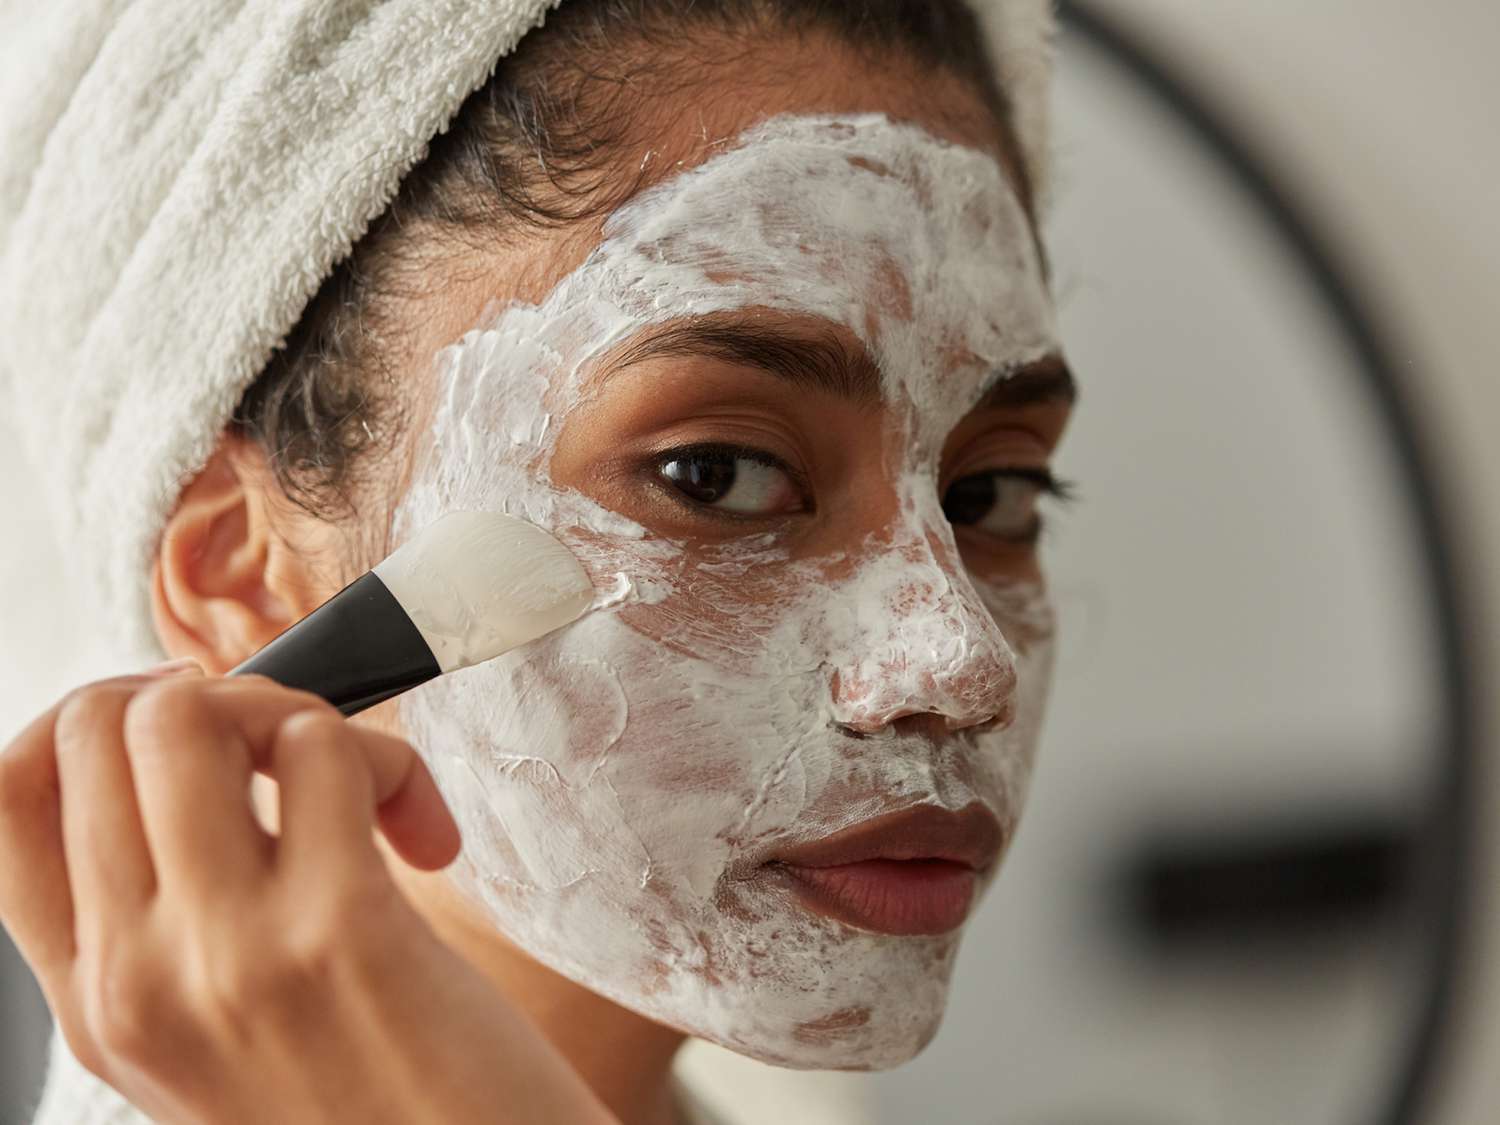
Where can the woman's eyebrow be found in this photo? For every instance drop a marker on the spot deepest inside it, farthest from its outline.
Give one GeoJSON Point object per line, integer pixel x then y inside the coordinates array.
{"type": "Point", "coordinates": [1045, 380]}
{"type": "Point", "coordinates": [826, 361]}
{"type": "Point", "coordinates": [818, 360]}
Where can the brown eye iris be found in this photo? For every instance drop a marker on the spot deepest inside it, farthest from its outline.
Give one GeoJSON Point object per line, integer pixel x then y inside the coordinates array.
{"type": "Point", "coordinates": [998, 504]}
{"type": "Point", "coordinates": [967, 500]}
{"type": "Point", "coordinates": [706, 479]}
{"type": "Point", "coordinates": [744, 482]}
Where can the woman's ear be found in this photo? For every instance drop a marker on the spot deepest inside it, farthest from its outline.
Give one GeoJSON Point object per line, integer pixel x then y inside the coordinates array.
{"type": "Point", "coordinates": [226, 579]}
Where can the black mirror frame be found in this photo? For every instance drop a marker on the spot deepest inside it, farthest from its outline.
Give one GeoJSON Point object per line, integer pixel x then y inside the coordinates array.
{"type": "Point", "coordinates": [1447, 831]}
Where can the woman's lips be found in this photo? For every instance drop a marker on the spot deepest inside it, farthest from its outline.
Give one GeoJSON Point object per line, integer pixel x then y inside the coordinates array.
{"type": "Point", "coordinates": [889, 896]}
{"type": "Point", "coordinates": [909, 872]}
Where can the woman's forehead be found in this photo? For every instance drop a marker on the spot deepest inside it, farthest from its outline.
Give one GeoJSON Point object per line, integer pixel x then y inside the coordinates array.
{"type": "Point", "coordinates": [919, 247]}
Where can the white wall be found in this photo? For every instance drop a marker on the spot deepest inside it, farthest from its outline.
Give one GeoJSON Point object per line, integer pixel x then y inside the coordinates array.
{"type": "Point", "coordinates": [1384, 113]}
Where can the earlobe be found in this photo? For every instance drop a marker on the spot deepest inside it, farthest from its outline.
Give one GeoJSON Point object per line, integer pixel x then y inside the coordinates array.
{"type": "Point", "coordinates": [220, 589]}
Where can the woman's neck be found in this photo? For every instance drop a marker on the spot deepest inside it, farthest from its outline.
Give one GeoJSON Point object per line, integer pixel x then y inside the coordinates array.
{"type": "Point", "coordinates": [625, 1058]}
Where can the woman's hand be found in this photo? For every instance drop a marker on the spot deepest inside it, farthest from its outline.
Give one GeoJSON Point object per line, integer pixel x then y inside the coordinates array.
{"type": "Point", "coordinates": [213, 972]}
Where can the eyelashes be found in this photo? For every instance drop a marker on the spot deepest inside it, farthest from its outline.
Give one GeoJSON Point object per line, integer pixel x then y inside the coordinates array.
{"type": "Point", "coordinates": [740, 483]}
{"type": "Point", "coordinates": [1002, 503]}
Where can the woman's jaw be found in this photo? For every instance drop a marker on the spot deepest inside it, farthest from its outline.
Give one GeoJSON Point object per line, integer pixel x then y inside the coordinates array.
{"type": "Point", "coordinates": [643, 796]}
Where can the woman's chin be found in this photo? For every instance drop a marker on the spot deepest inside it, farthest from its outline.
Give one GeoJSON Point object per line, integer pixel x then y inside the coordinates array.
{"type": "Point", "coordinates": [875, 1048]}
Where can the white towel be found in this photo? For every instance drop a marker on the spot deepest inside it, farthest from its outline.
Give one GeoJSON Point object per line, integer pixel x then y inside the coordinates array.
{"type": "Point", "coordinates": [177, 177]}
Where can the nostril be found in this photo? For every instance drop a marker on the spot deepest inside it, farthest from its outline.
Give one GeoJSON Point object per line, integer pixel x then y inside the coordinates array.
{"type": "Point", "coordinates": [974, 694]}
{"type": "Point", "coordinates": [996, 722]}
{"type": "Point", "coordinates": [933, 724]}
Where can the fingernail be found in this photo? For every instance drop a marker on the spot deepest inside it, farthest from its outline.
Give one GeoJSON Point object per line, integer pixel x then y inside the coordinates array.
{"type": "Point", "coordinates": [177, 667]}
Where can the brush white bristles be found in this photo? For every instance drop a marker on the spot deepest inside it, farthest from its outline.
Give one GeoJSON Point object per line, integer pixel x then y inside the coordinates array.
{"type": "Point", "coordinates": [478, 584]}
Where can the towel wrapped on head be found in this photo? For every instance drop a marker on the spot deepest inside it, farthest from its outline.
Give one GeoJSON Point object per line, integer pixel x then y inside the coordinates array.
{"type": "Point", "coordinates": [177, 178]}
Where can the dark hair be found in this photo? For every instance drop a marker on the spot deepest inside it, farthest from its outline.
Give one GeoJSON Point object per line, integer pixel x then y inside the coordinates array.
{"type": "Point", "coordinates": [532, 148]}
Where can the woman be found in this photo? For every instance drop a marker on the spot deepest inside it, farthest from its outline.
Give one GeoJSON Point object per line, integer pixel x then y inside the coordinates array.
{"type": "Point", "coordinates": [743, 301]}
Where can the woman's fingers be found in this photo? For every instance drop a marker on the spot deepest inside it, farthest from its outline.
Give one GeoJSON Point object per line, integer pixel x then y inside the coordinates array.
{"type": "Point", "coordinates": [188, 756]}
{"type": "Point", "coordinates": [327, 800]}
{"type": "Point", "coordinates": [417, 822]}
{"type": "Point", "coordinates": [321, 763]}
{"type": "Point", "coordinates": [192, 767]}
{"type": "Point", "coordinates": [108, 861]}
{"type": "Point", "coordinates": [412, 813]}
{"type": "Point", "coordinates": [36, 893]}
{"type": "Point", "coordinates": [36, 902]}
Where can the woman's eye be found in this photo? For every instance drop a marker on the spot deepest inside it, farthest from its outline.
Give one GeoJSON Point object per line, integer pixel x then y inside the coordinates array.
{"type": "Point", "coordinates": [732, 480]}
{"type": "Point", "coordinates": [1001, 504]}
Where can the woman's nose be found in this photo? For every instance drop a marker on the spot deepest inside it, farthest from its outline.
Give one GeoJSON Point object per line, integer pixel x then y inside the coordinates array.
{"type": "Point", "coordinates": [931, 649]}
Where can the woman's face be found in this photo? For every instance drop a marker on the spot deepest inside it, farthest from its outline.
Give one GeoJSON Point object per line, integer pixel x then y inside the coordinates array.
{"type": "Point", "coordinates": [793, 408]}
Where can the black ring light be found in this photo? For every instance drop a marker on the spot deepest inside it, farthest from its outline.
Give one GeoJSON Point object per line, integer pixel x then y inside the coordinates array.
{"type": "Point", "coordinates": [1446, 835]}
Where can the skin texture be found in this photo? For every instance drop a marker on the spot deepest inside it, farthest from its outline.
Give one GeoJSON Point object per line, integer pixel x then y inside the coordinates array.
{"type": "Point", "coordinates": [211, 972]}
{"type": "Point", "coordinates": [239, 563]}
{"type": "Point", "coordinates": [781, 667]}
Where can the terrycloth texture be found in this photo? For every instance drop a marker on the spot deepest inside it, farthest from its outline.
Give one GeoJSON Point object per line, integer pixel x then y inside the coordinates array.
{"type": "Point", "coordinates": [74, 1096]}
{"type": "Point", "coordinates": [176, 179]}
{"type": "Point", "coordinates": [179, 176]}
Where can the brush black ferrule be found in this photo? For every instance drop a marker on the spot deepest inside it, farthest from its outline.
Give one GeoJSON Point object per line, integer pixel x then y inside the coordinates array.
{"type": "Point", "coordinates": [355, 650]}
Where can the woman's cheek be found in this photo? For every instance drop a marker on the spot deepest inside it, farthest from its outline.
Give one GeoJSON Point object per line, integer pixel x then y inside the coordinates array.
{"type": "Point", "coordinates": [720, 604]}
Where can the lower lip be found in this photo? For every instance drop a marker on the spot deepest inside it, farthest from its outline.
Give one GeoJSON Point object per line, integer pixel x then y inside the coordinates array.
{"type": "Point", "coordinates": [888, 896]}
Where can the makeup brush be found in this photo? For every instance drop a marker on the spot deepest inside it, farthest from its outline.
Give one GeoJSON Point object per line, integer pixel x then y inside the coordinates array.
{"type": "Point", "coordinates": [464, 589]}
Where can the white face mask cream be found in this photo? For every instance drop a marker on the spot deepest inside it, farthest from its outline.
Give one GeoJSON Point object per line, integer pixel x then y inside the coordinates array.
{"type": "Point", "coordinates": [618, 783]}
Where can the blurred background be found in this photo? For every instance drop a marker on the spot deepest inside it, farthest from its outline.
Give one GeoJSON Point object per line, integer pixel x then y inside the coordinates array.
{"type": "Point", "coordinates": [1212, 914]}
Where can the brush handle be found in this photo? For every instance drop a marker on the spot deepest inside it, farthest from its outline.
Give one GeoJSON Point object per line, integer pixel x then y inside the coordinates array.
{"type": "Point", "coordinates": [355, 650]}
